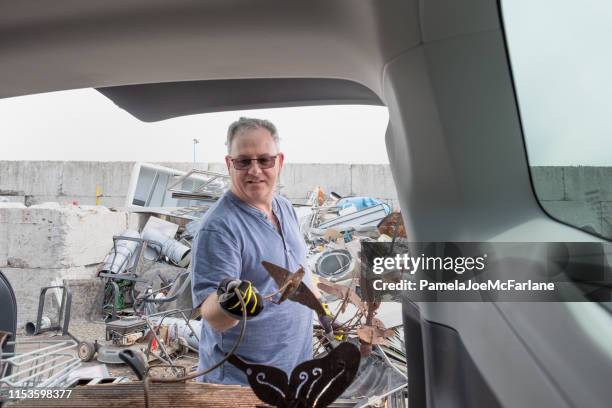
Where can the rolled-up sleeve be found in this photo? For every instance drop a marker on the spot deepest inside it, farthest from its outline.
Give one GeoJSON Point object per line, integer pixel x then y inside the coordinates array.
{"type": "Point", "coordinates": [215, 257]}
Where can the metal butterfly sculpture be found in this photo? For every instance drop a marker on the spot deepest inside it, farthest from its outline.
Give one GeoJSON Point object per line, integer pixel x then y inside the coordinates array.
{"type": "Point", "coordinates": [313, 383]}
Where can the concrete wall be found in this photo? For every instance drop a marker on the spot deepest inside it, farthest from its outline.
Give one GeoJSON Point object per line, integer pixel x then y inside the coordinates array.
{"type": "Point", "coordinates": [45, 244]}
{"type": "Point", "coordinates": [580, 196]}
{"type": "Point", "coordinates": [65, 182]}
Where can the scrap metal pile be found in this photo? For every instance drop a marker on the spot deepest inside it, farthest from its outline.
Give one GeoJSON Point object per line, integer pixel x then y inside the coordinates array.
{"type": "Point", "coordinates": [334, 228]}
{"type": "Point", "coordinates": [147, 298]}
{"type": "Point", "coordinates": [146, 281]}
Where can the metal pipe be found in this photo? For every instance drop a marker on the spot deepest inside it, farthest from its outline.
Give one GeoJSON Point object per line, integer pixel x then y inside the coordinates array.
{"type": "Point", "coordinates": [30, 327]}
{"type": "Point", "coordinates": [388, 361]}
{"type": "Point", "coordinates": [176, 252]}
{"type": "Point", "coordinates": [118, 259]}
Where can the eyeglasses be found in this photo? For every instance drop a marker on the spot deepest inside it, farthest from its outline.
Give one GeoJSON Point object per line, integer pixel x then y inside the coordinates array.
{"type": "Point", "coordinates": [264, 162]}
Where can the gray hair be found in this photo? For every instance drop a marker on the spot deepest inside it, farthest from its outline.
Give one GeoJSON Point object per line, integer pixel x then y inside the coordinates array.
{"type": "Point", "coordinates": [247, 124]}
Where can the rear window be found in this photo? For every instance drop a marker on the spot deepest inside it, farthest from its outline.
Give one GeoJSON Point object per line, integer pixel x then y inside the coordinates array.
{"type": "Point", "coordinates": [561, 68]}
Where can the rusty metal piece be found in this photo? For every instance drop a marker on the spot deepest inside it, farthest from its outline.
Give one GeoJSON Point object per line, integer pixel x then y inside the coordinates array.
{"type": "Point", "coordinates": [366, 347]}
{"type": "Point", "coordinates": [290, 285]}
{"type": "Point", "coordinates": [293, 288]}
{"type": "Point", "coordinates": [374, 335]}
{"type": "Point", "coordinates": [372, 299]}
{"type": "Point", "coordinates": [313, 383]}
{"type": "Point", "coordinates": [392, 225]}
{"type": "Point", "coordinates": [341, 292]}
{"type": "Point", "coordinates": [376, 322]}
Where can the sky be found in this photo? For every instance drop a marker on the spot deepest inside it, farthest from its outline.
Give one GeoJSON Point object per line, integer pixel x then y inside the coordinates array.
{"type": "Point", "coordinates": [85, 125]}
{"type": "Point", "coordinates": [561, 64]}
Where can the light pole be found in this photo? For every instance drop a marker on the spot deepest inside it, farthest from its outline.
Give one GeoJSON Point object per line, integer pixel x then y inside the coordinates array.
{"type": "Point", "coordinates": [195, 142]}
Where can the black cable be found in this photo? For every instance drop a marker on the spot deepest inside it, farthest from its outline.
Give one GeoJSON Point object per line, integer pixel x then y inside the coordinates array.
{"type": "Point", "coordinates": [223, 360]}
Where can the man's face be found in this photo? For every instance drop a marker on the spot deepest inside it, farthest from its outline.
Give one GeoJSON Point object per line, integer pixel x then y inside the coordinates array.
{"type": "Point", "coordinates": [254, 185]}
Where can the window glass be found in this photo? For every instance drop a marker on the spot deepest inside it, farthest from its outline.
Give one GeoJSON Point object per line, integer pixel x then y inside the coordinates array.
{"type": "Point", "coordinates": [561, 64]}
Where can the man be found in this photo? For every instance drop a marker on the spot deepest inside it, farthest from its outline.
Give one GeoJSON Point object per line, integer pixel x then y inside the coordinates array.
{"type": "Point", "coordinates": [249, 224]}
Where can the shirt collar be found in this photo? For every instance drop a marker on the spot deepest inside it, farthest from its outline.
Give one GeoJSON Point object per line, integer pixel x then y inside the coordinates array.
{"type": "Point", "coordinates": [249, 208]}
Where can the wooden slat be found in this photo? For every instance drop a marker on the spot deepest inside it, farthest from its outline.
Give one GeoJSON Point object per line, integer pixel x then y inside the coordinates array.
{"type": "Point", "coordinates": [189, 394]}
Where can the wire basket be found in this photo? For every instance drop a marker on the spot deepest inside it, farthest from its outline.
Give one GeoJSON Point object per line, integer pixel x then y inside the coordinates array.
{"type": "Point", "coordinates": [47, 366]}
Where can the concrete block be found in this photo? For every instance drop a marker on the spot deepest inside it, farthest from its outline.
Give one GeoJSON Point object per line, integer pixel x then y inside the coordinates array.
{"type": "Point", "coordinates": [53, 236]}
{"type": "Point", "coordinates": [575, 213]}
{"type": "Point", "coordinates": [5, 211]}
{"type": "Point", "coordinates": [12, 199]}
{"type": "Point", "coordinates": [10, 205]}
{"type": "Point", "coordinates": [588, 184]}
{"type": "Point", "coordinates": [109, 202]}
{"type": "Point", "coordinates": [60, 199]}
{"type": "Point", "coordinates": [548, 182]}
{"type": "Point", "coordinates": [30, 177]}
{"type": "Point", "coordinates": [300, 179]}
{"type": "Point", "coordinates": [89, 232]}
{"type": "Point", "coordinates": [4, 240]}
{"type": "Point", "coordinates": [82, 178]}
{"type": "Point", "coordinates": [372, 180]}
{"type": "Point", "coordinates": [4, 244]}
{"type": "Point", "coordinates": [27, 283]}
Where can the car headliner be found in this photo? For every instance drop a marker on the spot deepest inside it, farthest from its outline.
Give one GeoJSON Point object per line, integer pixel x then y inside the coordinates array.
{"type": "Point", "coordinates": [69, 44]}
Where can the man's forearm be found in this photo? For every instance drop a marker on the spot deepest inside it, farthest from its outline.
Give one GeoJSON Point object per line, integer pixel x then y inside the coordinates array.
{"type": "Point", "coordinates": [215, 316]}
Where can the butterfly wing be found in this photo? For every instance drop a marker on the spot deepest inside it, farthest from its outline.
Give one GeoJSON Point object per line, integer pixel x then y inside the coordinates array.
{"type": "Point", "coordinates": [268, 383]}
{"type": "Point", "coordinates": [319, 382]}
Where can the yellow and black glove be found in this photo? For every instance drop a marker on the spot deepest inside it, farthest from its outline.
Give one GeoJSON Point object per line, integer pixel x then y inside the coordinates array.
{"type": "Point", "coordinates": [230, 302]}
{"type": "Point", "coordinates": [326, 323]}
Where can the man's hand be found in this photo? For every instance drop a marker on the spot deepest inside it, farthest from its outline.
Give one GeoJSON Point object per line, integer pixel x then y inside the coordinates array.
{"type": "Point", "coordinates": [230, 303]}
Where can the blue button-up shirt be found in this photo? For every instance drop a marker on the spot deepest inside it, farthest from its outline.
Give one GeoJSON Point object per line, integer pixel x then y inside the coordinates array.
{"type": "Point", "coordinates": [232, 241]}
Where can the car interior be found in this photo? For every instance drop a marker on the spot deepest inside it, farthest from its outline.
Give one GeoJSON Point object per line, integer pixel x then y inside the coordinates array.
{"type": "Point", "coordinates": [454, 140]}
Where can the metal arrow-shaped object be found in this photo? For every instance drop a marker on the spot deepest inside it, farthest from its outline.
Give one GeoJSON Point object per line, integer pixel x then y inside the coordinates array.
{"type": "Point", "coordinates": [292, 288]}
